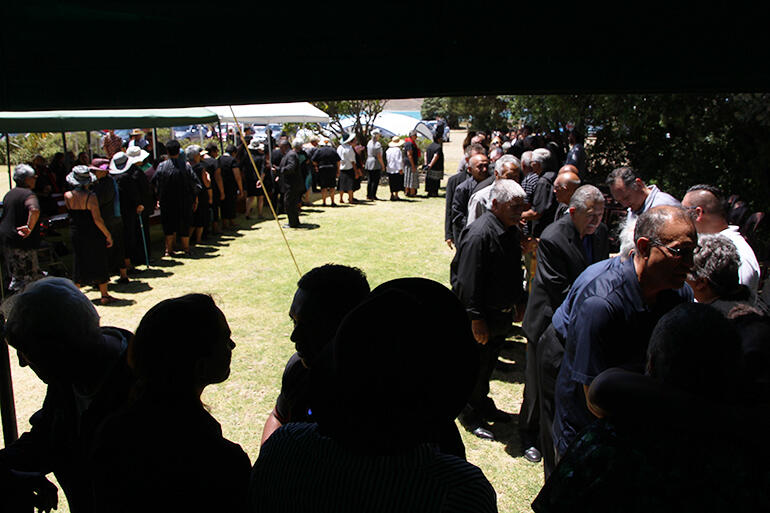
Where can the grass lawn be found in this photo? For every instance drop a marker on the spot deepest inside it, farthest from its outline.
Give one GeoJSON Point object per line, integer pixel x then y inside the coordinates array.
{"type": "Point", "coordinates": [252, 278]}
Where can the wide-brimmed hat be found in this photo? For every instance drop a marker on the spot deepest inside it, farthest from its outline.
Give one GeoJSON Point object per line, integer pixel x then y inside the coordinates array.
{"type": "Point", "coordinates": [395, 142]}
{"type": "Point", "coordinates": [137, 131]}
{"type": "Point", "coordinates": [80, 175]}
{"type": "Point", "coordinates": [346, 138]}
{"type": "Point", "coordinates": [99, 165]}
{"type": "Point", "coordinates": [122, 161]}
{"type": "Point", "coordinates": [256, 145]}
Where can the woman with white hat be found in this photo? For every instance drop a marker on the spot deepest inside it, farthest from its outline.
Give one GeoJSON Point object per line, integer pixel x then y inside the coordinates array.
{"type": "Point", "coordinates": [131, 180]}
{"type": "Point", "coordinates": [347, 177]}
{"type": "Point", "coordinates": [395, 167]}
{"type": "Point", "coordinates": [90, 236]}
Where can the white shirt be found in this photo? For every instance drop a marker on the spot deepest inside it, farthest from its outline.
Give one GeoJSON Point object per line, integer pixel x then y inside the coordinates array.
{"type": "Point", "coordinates": [480, 202]}
{"type": "Point", "coordinates": [748, 272]}
{"type": "Point", "coordinates": [395, 160]}
{"type": "Point", "coordinates": [347, 156]}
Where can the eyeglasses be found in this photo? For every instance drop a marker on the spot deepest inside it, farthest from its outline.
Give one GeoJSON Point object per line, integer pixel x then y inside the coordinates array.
{"type": "Point", "coordinates": [679, 252]}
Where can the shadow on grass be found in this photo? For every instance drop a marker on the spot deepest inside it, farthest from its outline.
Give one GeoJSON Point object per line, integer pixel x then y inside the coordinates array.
{"type": "Point", "coordinates": [306, 210]}
{"type": "Point", "coordinates": [304, 226]}
{"type": "Point", "coordinates": [132, 287]}
{"type": "Point", "coordinates": [117, 302]}
{"type": "Point", "coordinates": [510, 367]}
{"type": "Point", "coordinates": [154, 273]}
{"type": "Point", "coordinates": [166, 262]}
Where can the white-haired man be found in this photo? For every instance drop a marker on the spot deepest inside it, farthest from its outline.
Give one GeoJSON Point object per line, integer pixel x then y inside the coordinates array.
{"type": "Point", "coordinates": [487, 277]}
{"type": "Point", "coordinates": [507, 167]}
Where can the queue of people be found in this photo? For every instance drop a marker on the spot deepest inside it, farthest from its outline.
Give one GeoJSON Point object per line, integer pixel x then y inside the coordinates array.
{"type": "Point", "coordinates": [650, 330]}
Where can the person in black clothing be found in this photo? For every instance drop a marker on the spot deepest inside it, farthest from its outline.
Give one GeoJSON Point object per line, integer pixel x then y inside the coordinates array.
{"type": "Point", "coordinates": [135, 194]}
{"type": "Point", "coordinates": [264, 181]}
{"type": "Point", "coordinates": [566, 248]}
{"type": "Point", "coordinates": [324, 296]}
{"type": "Point", "coordinates": [177, 189]}
{"type": "Point", "coordinates": [478, 167]}
{"type": "Point", "coordinates": [217, 185]}
{"type": "Point", "coordinates": [293, 181]}
{"type": "Point", "coordinates": [487, 278]}
{"type": "Point", "coordinates": [248, 175]}
{"type": "Point", "coordinates": [19, 231]}
{"type": "Point", "coordinates": [55, 330]}
{"type": "Point", "coordinates": [201, 214]}
{"type": "Point", "coordinates": [544, 203]}
{"type": "Point", "coordinates": [451, 186]}
{"type": "Point", "coordinates": [232, 185]}
{"type": "Point", "coordinates": [276, 156]}
{"type": "Point", "coordinates": [164, 451]}
{"type": "Point", "coordinates": [434, 165]}
{"type": "Point", "coordinates": [577, 154]}
{"type": "Point", "coordinates": [327, 163]}
{"type": "Point", "coordinates": [106, 190]}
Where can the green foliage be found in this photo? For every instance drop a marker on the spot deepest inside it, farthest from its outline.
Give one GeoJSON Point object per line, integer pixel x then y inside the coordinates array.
{"type": "Point", "coordinates": [484, 112]}
{"type": "Point", "coordinates": [675, 140]}
{"type": "Point", "coordinates": [363, 112]}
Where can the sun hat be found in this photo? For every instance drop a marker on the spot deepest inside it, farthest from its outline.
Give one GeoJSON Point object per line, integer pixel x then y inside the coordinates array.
{"type": "Point", "coordinates": [255, 144]}
{"type": "Point", "coordinates": [395, 142]}
{"type": "Point", "coordinates": [99, 164]}
{"type": "Point", "coordinates": [344, 139]}
{"type": "Point", "coordinates": [80, 175]}
{"type": "Point", "coordinates": [137, 131]}
{"type": "Point", "coordinates": [376, 131]}
{"type": "Point", "coordinates": [122, 161]}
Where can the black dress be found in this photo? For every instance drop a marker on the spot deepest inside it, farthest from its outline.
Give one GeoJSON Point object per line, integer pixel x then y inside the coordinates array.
{"type": "Point", "coordinates": [90, 248]}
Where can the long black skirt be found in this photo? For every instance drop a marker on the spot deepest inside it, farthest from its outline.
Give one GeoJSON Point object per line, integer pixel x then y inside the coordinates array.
{"type": "Point", "coordinates": [396, 182]}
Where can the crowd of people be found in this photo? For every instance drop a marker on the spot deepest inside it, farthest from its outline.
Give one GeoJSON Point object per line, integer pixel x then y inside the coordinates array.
{"type": "Point", "coordinates": [628, 357]}
{"type": "Point", "coordinates": [110, 199]}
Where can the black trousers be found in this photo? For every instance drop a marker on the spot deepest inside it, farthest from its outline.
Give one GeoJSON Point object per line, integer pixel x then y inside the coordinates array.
{"type": "Point", "coordinates": [431, 186]}
{"type": "Point", "coordinates": [291, 200]}
{"type": "Point", "coordinates": [549, 354]}
{"type": "Point", "coordinates": [481, 405]}
{"type": "Point", "coordinates": [373, 181]}
{"type": "Point", "coordinates": [529, 415]}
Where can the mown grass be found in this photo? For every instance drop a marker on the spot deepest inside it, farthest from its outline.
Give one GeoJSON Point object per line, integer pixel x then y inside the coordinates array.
{"type": "Point", "coordinates": [253, 279]}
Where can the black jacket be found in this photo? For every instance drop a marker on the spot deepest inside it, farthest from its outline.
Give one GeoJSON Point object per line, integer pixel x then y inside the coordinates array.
{"type": "Point", "coordinates": [560, 260]}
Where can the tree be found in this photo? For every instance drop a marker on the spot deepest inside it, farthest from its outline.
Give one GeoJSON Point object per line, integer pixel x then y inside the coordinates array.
{"type": "Point", "coordinates": [484, 112]}
{"type": "Point", "coordinates": [363, 113]}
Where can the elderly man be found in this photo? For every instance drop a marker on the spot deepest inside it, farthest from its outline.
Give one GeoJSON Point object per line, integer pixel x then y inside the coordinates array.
{"type": "Point", "coordinates": [610, 312]}
{"type": "Point", "coordinates": [564, 186]}
{"type": "Point", "coordinates": [543, 202]}
{"type": "Point", "coordinates": [487, 278]}
{"type": "Point", "coordinates": [707, 205]}
{"type": "Point", "coordinates": [451, 186]}
{"type": "Point", "coordinates": [507, 167]}
{"type": "Point", "coordinates": [478, 167]}
{"type": "Point", "coordinates": [630, 191]}
{"type": "Point", "coordinates": [529, 177]}
{"type": "Point", "coordinates": [293, 182]}
{"type": "Point", "coordinates": [55, 330]}
{"type": "Point", "coordinates": [566, 248]}
{"type": "Point", "coordinates": [714, 277]}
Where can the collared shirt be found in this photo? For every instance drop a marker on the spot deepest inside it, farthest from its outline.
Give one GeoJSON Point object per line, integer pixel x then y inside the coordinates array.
{"type": "Point", "coordinates": [480, 202]}
{"type": "Point", "coordinates": [486, 271]}
{"type": "Point", "coordinates": [395, 160]}
{"type": "Point", "coordinates": [748, 271]}
{"type": "Point", "coordinates": [373, 150]}
{"type": "Point", "coordinates": [655, 198]}
{"type": "Point", "coordinates": [347, 156]}
{"type": "Point", "coordinates": [605, 323]}
{"type": "Point", "coordinates": [528, 184]}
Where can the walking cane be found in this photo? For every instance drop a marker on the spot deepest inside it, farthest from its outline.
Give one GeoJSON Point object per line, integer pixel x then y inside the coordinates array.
{"type": "Point", "coordinates": [144, 241]}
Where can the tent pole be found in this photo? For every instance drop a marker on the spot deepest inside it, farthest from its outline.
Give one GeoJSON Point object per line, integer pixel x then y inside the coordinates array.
{"type": "Point", "coordinates": [88, 144]}
{"type": "Point", "coordinates": [7, 407]}
{"type": "Point", "coordinates": [64, 144]}
{"type": "Point", "coordinates": [8, 156]}
{"type": "Point", "coordinates": [219, 136]}
{"type": "Point", "coordinates": [155, 144]}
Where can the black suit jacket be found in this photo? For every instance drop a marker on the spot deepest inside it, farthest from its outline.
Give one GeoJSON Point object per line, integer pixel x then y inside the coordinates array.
{"type": "Point", "coordinates": [451, 184]}
{"type": "Point", "coordinates": [560, 261]}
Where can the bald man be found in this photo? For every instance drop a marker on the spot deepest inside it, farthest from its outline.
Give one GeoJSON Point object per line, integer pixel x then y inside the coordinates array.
{"type": "Point", "coordinates": [564, 186]}
{"type": "Point", "coordinates": [707, 206]}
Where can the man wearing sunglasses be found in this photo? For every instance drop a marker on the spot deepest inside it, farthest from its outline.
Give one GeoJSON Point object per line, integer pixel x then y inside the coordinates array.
{"type": "Point", "coordinates": [613, 306]}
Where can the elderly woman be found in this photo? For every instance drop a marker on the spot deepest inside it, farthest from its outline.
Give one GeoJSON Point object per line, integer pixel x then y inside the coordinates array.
{"type": "Point", "coordinates": [714, 276]}
{"type": "Point", "coordinates": [19, 231]}
{"type": "Point", "coordinates": [411, 163]}
{"type": "Point", "coordinates": [172, 454]}
{"type": "Point", "coordinates": [205, 194]}
{"type": "Point", "coordinates": [90, 236]}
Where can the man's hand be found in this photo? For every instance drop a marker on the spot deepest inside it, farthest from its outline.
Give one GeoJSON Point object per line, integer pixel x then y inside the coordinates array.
{"type": "Point", "coordinates": [480, 331]}
{"type": "Point", "coordinates": [139, 209]}
{"type": "Point", "coordinates": [42, 493]}
{"type": "Point", "coordinates": [23, 231]}
{"type": "Point", "coordinates": [450, 243]}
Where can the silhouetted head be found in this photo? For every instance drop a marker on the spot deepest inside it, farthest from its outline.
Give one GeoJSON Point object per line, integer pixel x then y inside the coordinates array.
{"type": "Point", "coordinates": [53, 327]}
{"type": "Point", "coordinates": [694, 348]}
{"type": "Point", "coordinates": [393, 383]}
{"type": "Point", "coordinates": [324, 296]}
{"type": "Point", "coordinates": [181, 345]}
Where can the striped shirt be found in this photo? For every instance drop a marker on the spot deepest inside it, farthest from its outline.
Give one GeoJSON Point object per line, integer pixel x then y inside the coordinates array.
{"type": "Point", "coordinates": [301, 470]}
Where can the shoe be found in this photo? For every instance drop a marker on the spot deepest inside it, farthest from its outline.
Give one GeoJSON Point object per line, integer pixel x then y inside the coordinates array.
{"type": "Point", "coordinates": [533, 455]}
{"type": "Point", "coordinates": [483, 433]}
{"type": "Point", "coordinates": [498, 416]}
{"type": "Point", "coordinates": [106, 300]}
{"type": "Point", "coordinates": [123, 281]}
{"type": "Point", "coordinates": [290, 226]}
